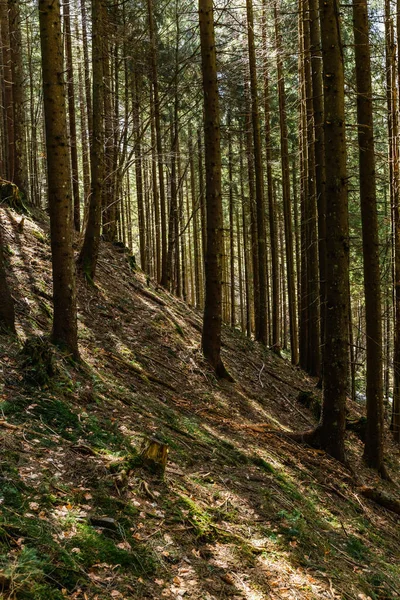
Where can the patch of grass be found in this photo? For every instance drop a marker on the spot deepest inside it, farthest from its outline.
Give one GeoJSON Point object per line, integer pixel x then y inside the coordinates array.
{"type": "Point", "coordinates": [263, 464]}
{"type": "Point", "coordinates": [94, 547]}
{"type": "Point", "coordinates": [356, 548]}
{"type": "Point", "coordinates": [40, 236]}
{"type": "Point", "coordinates": [200, 519]}
{"type": "Point", "coordinates": [288, 487]}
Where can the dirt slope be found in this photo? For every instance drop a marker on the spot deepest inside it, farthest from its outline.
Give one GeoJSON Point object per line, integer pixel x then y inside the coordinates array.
{"type": "Point", "coordinates": [241, 512]}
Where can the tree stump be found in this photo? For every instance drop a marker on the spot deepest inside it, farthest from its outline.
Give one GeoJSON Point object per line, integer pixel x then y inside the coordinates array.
{"type": "Point", "coordinates": [155, 456]}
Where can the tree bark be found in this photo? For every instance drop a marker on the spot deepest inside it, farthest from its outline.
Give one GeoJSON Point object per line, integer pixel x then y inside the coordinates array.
{"type": "Point", "coordinates": [373, 313]}
{"type": "Point", "coordinates": [90, 249]}
{"type": "Point", "coordinates": [59, 177]}
{"type": "Point", "coordinates": [261, 320]}
{"type": "Point", "coordinates": [211, 337]}
{"type": "Point", "coordinates": [287, 210]}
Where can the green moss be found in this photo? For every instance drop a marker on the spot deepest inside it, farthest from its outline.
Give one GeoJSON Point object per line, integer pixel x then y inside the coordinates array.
{"type": "Point", "coordinates": [356, 548]}
{"type": "Point", "coordinates": [95, 547]}
{"type": "Point", "coordinates": [263, 464]}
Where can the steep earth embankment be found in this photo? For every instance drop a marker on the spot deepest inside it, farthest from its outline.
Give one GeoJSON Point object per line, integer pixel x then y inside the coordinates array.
{"type": "Point", "coordinates": [241, 512]}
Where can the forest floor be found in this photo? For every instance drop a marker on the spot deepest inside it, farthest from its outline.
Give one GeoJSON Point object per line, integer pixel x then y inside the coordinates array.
{"type": "Point", "coordinates": [241, 513]}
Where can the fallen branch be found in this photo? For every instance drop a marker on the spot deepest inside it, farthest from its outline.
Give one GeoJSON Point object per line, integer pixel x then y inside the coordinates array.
{"type": "Point", "coordinates": [141, 372]}
{"type": "Point", "coordinates": [148, 294]}
{"type": "Point", "coordinates": [8, 425]}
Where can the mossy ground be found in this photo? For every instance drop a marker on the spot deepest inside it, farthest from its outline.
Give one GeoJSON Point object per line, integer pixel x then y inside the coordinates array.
{"type": "Point", "coordinates": [240, 513]}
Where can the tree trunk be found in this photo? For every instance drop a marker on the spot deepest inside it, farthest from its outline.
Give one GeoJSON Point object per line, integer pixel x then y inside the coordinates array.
{"type": "Point", "coordinates": [287, 210]}
{"type": "Point", "coordinates": [261, 328]}
{"type": "Point", "coordinates": [154, 76]}
{"type": "Point", "coordinates": [59, 177]}
{"type": "Point", "coordinates": [7, 85]}
{"type": "Point", "coordinates": [318, 110]}
{"type": "Point", "coordinates": [211, 338]}
{"type": "Point", "coordinates": [373, 314]}
{"type": "Point", "coordinates": [72, 117]}
{"type": "Point", "coordinates": [276, 342]}
{"type": "Point", "coordinates": [332, 426]}
{"type": "Point", "coordinates": [7, 316]}
{"type": "Point", "coordinates": [90, 249]}
{"type": "Point", "coordinates": [18, 92]}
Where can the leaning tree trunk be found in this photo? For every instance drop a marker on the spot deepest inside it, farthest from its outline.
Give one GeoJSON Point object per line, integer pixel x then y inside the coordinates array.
{"type": "Point", "coordinates": [211, 338]}
{"type": "Point", "coordinates": [59, 177]}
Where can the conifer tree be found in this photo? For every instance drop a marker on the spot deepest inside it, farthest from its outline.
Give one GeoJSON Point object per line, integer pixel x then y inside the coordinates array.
{"type": "Point", "coordinates": [59, 177]}
{"type": "Point", "coordinates": [211, 338]}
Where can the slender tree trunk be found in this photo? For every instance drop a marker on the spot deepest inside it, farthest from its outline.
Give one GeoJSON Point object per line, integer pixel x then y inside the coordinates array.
{"type": "Point", "coordinates": [313, 313]}
{"type": "Point", "coordinates": [253, 221]}
{"type": "Point", "coordinates": [90, 249]}
{"type": "Point", "coordinates": [276, 342]}
{"type": "Point", "coordinates": [245, 244]}
{"type": "Point", "coordinates": [7, 316]}
{"type": "Point", "coordinates": [231, 225]}
{"type": "Point", "coordinates": [211, 339]}
{"type": "Point", "coordinates": [138, 172]}
{"type": "Point", "coordinates": [59, 177]}
{"type": "Point", "coordinates": [287, 210]}
{"type": "Point", "coordinates": [318, 110]}
{"type": "Point", "coordinates": [156, 199]}
{"type": "Point", "coordinates": [154, 75]}
{"type": "Point", "coordinates": [18, 92]}
{"type": "Point", "coordinates": [393, 134]}
{"type": "Point", "coordinates": [195, 210]}
{"type": "Point", "coordinates": [87, 69]}
{"type": "Point", "coordinates": [373, 314]}
{"type": "Point", "coordinates": [261, 327]}
{"type": "Point", "coordinates": [72, 117]}
{"type": "Point", "coordinates": [7, 84]}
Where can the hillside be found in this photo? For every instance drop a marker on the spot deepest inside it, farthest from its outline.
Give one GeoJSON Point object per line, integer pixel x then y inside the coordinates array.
{"type": "Point", "coordinates": [241, 512]}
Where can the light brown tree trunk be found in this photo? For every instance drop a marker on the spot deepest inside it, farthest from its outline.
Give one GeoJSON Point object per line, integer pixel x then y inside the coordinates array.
{"type": "Point", "coordinates": [231, 225]}
{"type": "Point", "coordinates": [7, 316]}
{"type": "Point", "coordinates": [287, 210]}
{"type": "Point", "coordinates": [318, 110]}
{"type": "Point", "coordinates": [253, 219]}
{"type": "Point", "coordinates": [313, 364]}
{"type": "Point", "coordinates": [138, 172]}
{"type": "Point", "coordinates": [7, 85]}
{"type": "Point", "coordinates": [276, 342]}
{"type": "Point", "coordinates": [211, 338]}
{"type": "Point", "coordinates": [59, 177]}
{"type": "Point", "coordinates": [154, 76]}
{"type": "Point", "coordinates": [372, 288]}
{"type": "Point", "coordinates": [18, 93]}
{"type": "Point", "coordinates": [88, 86]}
{"type": "Point", "coordinates": [90, 249]}
{"type": "Point", "coordinates": [261, 327]}
{"type": "Point", "coordinates": [245, 244]}
{"type": "Point", "coordinates": [195, 211]}
{"type": "Point", "coordinates": [71, 115]}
